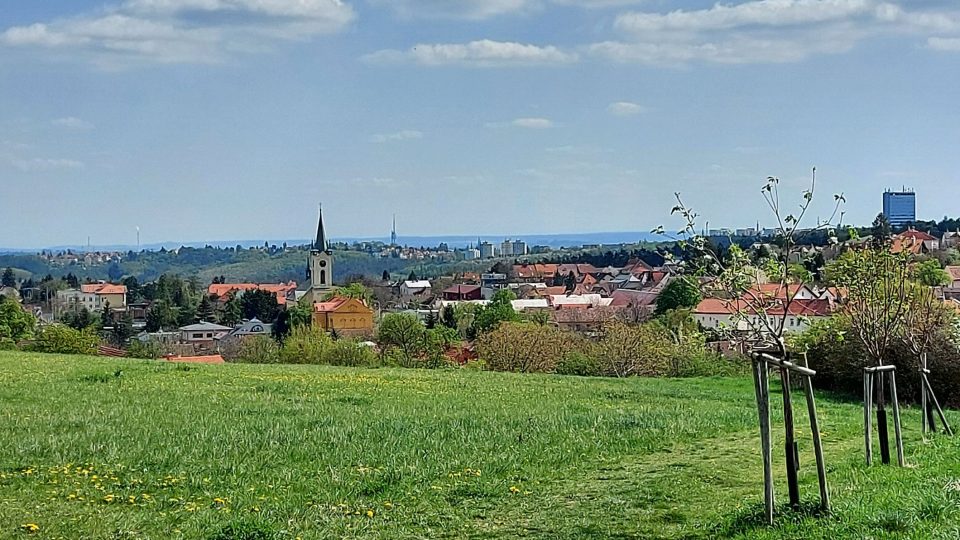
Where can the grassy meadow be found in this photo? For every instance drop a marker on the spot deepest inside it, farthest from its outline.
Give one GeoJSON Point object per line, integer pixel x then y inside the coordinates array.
{"type": "Point", "coordinates": [118, 449]}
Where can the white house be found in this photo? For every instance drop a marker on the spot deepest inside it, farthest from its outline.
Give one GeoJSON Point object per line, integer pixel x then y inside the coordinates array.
{"type": "Point", "coordinates": [415, 288]}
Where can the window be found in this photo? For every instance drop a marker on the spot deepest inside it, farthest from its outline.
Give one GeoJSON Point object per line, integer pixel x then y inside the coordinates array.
{"type": "Point", "coordinates": [323, 277]}
{"type": "Point", "coordinates": [197, 336]}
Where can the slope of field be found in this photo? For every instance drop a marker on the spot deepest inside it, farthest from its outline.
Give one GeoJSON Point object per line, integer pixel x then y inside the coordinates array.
{"type": "Point", "coordinates": [97, 448]}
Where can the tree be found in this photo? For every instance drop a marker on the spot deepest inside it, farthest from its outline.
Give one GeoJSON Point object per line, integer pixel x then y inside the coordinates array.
{"type": "Point", "coordinates": [123, 329]}
{"type": "Point", "coordinates": [929, 273]}
{"type": "Point", "coordinates": [15, 323]}
{"type": "Point", "coordinates": [431, 320]}
{"type": "Point", "coordinates": [355, 290]}
{"type": "Point", "coordinates": [499, 310]}
{"type": "Point", "coordinates": [79, 320]}
{"type": "Point", "coordinates": [232, 312]}
{"type": "Point", "coordinates": [412, 276]}
{"type": "Point", "coordinates": [161, 315]}
{"type": "Point", "coordinates": [386, 276]}
{"type": "Point", "coordinates": [402, 332]}
{"type": "Point", "coordinates": [524, 347]}
{"type": "Point", "coordinates": [570, 282]}
{"type": "Point", "coordinates": [680, 293]}
{"type": "Point", "coordinates": [114, 272]}
{"type": "Point", "coordinates": [205, 311]}
{"type": "Point", "coordinates": [880, 231]}
{"type": "Point", "coordinates": [106, 317]}
{"type": "Point", "coordinates": [9, 279]}
{"type": "Point", "coordinates": [925, 319]}
{"type": "Point", "coordinates": [259, 304]}
{"type": "Point", "coordinates": [448, 317]}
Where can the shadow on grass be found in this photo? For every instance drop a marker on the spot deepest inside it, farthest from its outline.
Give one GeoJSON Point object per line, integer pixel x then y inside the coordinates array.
{"type": "Point", "coordinates": [753, 517]}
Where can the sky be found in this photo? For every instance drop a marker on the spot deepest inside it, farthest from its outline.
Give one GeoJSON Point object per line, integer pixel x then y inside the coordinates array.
{"type": "Point", "coordinates": [201, 120]}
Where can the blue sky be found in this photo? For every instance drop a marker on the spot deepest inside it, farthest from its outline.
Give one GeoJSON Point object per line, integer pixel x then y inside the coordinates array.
{"type": "Point", "coordinates": [231, 119]}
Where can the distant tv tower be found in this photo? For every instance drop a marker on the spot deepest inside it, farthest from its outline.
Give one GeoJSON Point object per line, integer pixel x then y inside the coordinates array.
{"type": "Point", "coordinates": [393, 232]}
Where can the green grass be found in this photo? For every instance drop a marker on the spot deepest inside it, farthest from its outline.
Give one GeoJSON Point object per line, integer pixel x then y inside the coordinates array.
{"type": "Point", "coordinates": [104, 448]}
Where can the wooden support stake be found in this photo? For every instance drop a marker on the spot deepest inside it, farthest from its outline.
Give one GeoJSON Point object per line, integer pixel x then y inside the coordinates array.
{"type": "Point", "coordinates": [867, 417]}
{"type": "Point", "coordinates": [817, 444]}
{"type": "Point", "coordinates": [925, 413]}
{"type": "Point", "coordinates": [897, 433]}
{"type": "Point", "coordinates": [790, 444]}
{"type": "Point", "coordinates": [936, 403]}
{"type": "Point", "coordinates": [763, 408]}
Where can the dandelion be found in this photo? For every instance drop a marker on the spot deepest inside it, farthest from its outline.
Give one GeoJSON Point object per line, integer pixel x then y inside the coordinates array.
{"type": "Point", "coordinates": [30, 527]}
{"type": "Point", "coordinates": [514, 489]}
{"type": "Point", "coordinates": [369, 513]}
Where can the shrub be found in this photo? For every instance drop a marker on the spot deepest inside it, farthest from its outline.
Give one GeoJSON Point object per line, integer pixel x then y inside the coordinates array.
{"type": "Point", "coordinates": [305, 345]}
{"type": "Point", "coordinates": [259, 350]}
{"type": "Point", "coordinates": [578, 363]}
{"type": "Point", "coordinates": [144, 349]}
{"type": "Point", "coordinates": [524, 347]}
{"type": "Point", "coordinates": [15, 323]}
{"type": "Point", "coordinates": [402, 338]}
{"type": "Point", "coordinates": [345, 352]}
{"type": "Point", "coordinates": [57, 338]}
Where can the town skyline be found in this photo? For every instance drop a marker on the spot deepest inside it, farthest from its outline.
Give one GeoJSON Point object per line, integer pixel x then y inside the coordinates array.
{"type": "Point", "coordinates": [230, 119]}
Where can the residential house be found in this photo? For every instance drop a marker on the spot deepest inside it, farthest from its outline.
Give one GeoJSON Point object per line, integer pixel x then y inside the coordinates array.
{"type": "Point", "coordinates": [92, 296]}
{"type": "Point", "coordinates": [343, 315]}
{"type": "Point", "coordinates": [914, 241]}
{"type": "Point", "coordinates": [741, 315]}
{"type": "Point", "coordinates": [203, 334]}
{"type": "Point", "coordinates": [10, 293]}
{"type": "Point", "coordinates": [950, 240]}
{"type": "Point", "coordinates": [530, 304]}
{"type": "Point", "coordinates": [586, 319]}
{"type": "Point", "coordinates": [415, 288]}
{"type": "Point", "coordinates": [462, 292]}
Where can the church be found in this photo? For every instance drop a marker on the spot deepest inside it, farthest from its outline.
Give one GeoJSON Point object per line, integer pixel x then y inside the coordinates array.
{"type": "Point", "coordinates": [331, 313]}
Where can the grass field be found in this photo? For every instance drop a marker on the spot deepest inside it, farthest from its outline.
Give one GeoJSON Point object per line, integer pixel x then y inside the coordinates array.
{"type": "Point", "coordinates": [98, 448]}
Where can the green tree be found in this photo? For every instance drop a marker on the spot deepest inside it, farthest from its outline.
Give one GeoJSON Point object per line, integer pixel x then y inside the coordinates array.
{"type": "Point", "coordinates": [680, 293]}
{"type": "Point", "coordinates": [15, 323]}
{"type": "Point", "coordinates": [930, 273]}
{"type": "Point", "coordinates": [448, 317]}
{"type": "Point", "coordinates": [78, 320]}
{"type": "Point", "coordinates": [570, 282]}
{"type": "Point", "coordinates": [498, 311]}
{"type": "Point", "coordinates": [161, 315]}
{"type": "Point", "coordinates": [206, 311]}
{"type": "Point", "coordinates": [881, 231]}
{"type": "Point", "coordinates": [354, 290]}
{"type": "Point", "coordinates": [259, 304]}
{"type": "Point", "coordinates": [123, 329]}
{"type": "Point", "coordinates": [402, 332]}
{"type": "Point", "coordinates": [9, 279]}
{"type": "Point", "coordinates": [232, 312]}
{"type": "Point", "coordinates": [106, 316]}
{"type": "Point", "coordinates": [386, 276]}
{"type": "Point", "coordinates": [57, 338]}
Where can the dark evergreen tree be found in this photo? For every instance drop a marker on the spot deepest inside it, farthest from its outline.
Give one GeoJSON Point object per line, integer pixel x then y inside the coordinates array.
{"type": "Point", "coordinates": [448, 317]}
{"type": "Point", "coordinates": [881, 231]}
{"type": "Point", "coordinates": [386, 276]}
{"type": "Point", "coordinates": [9, 278]}
{"type": "Point", "coordinates": [206, 311]}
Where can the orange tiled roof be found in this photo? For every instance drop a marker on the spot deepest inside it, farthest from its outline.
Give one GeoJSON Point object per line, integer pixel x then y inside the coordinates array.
{"type": "Point", "coordinates": [278, 289]}
{"type": "Point", "coordinates": [331, 305]}
{"type": "Point", "coordinates": [803, 308]}
{"type": "Point", "coordinates": [103, 288]}
{"type": "Point", "coordinates": [212, 359]}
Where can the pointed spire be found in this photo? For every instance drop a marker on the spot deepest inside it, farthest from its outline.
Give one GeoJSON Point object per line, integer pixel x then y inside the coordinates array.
{"type": "Point", "coordinates": [321, 243]}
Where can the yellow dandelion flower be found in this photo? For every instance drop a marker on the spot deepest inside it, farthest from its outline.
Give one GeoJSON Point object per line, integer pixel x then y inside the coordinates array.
{"type": "Point", "coordinates": [369, 513]}
{"type": "Point", "coordinates": [514, 489]}
{"type": "Point", "coordinates": [30, 527]}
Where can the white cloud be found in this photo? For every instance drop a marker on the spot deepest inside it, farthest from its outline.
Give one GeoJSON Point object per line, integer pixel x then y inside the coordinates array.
{"type": "Point", "coordinates": [485, 9]}
{"type": "Point", "coordinates": [72, 122]}
{"type": "Point", "coordinates": [173, 31]}
{"type": "Point", "coordinates": [532, 123]}
{"type": "Point", "coordinates": [482, 53]}
{"type": "Point", "coordinates": [41, 165]}
{"type": "Point", "coordinates": [759, 31]}
{"type": "Point", "coordinates": [404, 135]}
{"type": "Point", "coordinates": [944, 44]}
{"type": "Point", "coordinates": [625, 108]}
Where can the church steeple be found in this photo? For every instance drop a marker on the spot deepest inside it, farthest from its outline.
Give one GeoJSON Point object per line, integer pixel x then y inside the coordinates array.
{"type": "Point", "coordinates": [320, 244]}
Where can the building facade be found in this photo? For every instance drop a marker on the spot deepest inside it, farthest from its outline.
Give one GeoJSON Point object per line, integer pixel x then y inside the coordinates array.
{"type": "Point", "coordinates": [900, 207]}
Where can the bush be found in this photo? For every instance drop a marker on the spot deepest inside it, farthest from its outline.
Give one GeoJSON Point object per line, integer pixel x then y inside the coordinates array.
{"type": "Point", "coordinates": [259, 350]}
{"type": "Point", "coordinates": [305, 345]}
{"type": "Point", "coordinates": [57, 338]}
{"type": "Point", "coordinates": [345, 352]}
{"type": "Point", "coordinates": [403, 339]}
{"type": "Point", "coordinates": [525, 347]}
{"type": "Point", "coordinates": [578, 363]}
{"type": "Point", "coordinates": [149, 350]}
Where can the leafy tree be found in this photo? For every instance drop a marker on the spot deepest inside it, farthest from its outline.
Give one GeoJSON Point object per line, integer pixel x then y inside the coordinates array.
{"type": "Point", "coordinates": [259, 304]}
{"type": "Point", "coordinates": [114, 272]}
{"type": "Point", "coordinates": [431, 320]}
{"type": "Point", "coordinates": [930, 274]}
{"type": "Point", "coordinates": [354, 290]}
{"type": "Point", "coordinates": [305, 345]}
{"type": "Point", "coordinates": [161, 315]}
{"type": "Point", "coordinates": [79, 320]}
{"type": "Point", "coordinates": [524, 347]}
{"type": "Point", "coordinates": [881, 231]}
{"type": "Point", "coordinates": [402, 332]}
{"type": "Point", "coordinates": [8, 279]}
{"type": "Point", "coordinates": [15, 323]}
{"type": "Point", "coordinates": [301, 315]}
{"type": "Point", "coordinates": [499, 310]}
{"type": "Point", "coordinates": [680, 293]}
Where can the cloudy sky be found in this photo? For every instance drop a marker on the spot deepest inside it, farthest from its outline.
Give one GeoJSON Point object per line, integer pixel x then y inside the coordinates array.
{"type": "Point", "coordinates": [229, 119]}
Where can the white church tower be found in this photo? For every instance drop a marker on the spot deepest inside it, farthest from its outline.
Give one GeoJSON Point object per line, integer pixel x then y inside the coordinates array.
{"type": "Point", "coordinates": [320, 264]}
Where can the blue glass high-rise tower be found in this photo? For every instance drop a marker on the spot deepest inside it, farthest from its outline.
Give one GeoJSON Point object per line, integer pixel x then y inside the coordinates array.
{"type": "Point", "coordinates": [900, 207]}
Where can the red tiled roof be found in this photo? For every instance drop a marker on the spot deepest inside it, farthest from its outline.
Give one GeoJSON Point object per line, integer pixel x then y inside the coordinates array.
{"type": "Point", "coordinates": [278, 289]}
{"type": "Point", "coordinates": [461, 289]}
{"type": "Point", "coordinates": [537, 270]}
{"type": "Point", "coordinates": [331, 305]}
{"type": "Point", "coordinates": [954, 272]}
{"type": "Point", "coordinates": [800, 308]}
{"type": "Point", "coordinates": [103, 288]}
{"type": "Point", "coordinates": [916, 235]}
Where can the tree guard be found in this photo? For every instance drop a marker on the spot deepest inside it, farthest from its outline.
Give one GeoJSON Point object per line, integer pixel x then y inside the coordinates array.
{"type": "Point", "coordinates": [762, 363]}
{"type": "Point", "coordinates": [872, 385]}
